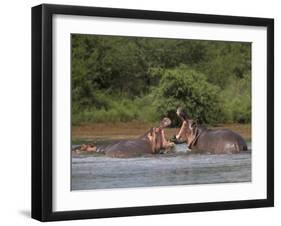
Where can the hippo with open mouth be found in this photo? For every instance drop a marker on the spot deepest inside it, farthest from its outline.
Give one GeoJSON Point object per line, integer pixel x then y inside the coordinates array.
{"type": "Point", "coordinates": [152, 142]}
{"type": "Point", "coordinates": [215, 141]}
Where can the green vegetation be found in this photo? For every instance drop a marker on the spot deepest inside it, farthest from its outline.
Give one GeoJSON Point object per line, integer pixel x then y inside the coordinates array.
{"type": "Point", "coordinates": [122, 79]}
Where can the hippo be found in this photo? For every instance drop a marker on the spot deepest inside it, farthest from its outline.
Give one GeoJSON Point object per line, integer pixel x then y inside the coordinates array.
{"type": "Point", "coordinates": [214, 141]}
{"type": "Point", "coordinates": [152, 142]}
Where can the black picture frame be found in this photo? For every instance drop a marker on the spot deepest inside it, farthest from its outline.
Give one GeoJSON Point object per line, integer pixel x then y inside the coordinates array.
{"type": "Point", "coordinates": [42, 111]}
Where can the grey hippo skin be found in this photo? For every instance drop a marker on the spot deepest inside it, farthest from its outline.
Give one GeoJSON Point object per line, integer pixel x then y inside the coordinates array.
{"type": "Point", "coordinates": [127, 148]}
{"type": "Point", "coordinates": [215, 141]}
{"type": "Point", "coordinates": [150, 143]}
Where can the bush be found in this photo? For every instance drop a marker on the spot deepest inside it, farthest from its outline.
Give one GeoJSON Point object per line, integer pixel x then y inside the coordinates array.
{"type": "Point", "coordinates": [237, 101]}
{"type": "Point", "coordinates": [121, 79]}
{"type": "Point", "coordinates": [118, 109]}
{"type": "Point", "coordinates": [189, 89]}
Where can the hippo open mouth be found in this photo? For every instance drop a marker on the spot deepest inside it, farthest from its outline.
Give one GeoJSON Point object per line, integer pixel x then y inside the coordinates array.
{"type": "Point", "coordinates": [150, 143]}
{"type": "Point", "coordinates": [216, 141]}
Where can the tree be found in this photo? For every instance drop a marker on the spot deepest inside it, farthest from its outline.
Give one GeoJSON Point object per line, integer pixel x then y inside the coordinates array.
{"type": "Point", "coordinates": [190, 89]}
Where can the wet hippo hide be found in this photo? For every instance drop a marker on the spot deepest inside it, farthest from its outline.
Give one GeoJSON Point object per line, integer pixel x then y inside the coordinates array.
{"type": "Point", "coordinates": [216, 141]}
{"type": "Point", "coordinates": [128, 148]}
{"type": "Point", "coordinates": [149, 143]}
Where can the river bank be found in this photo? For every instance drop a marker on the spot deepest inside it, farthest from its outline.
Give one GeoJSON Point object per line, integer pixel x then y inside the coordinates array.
{"type": "Point", "coordinates": [104, 131]}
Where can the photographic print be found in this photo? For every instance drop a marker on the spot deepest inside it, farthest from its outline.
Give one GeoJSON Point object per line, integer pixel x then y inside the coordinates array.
{"type": "Point", "coordinates": [159, 112]}
{"type": "Point", "coordinates": [138, 112]}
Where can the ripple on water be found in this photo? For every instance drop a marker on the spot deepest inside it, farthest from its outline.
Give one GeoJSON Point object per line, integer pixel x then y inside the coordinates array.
{"type": "Point", "coordinates": [180, 168]}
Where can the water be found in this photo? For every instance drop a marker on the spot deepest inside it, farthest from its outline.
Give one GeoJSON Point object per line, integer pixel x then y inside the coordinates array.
{"type": "Point", "coordinates": [180, 168]}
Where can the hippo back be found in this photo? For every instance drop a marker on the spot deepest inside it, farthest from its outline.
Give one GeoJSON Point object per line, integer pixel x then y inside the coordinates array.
{"type": "Point", "coordinates": [129, 148]}
{"type": "Point", "coordinates": [219, 141]}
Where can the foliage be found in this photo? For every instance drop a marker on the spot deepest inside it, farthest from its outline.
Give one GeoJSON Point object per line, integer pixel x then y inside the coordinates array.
{"type": "Point", "coordinates": [119, 79]}
{"type": "Point", "coordinates": [118, 109]}
{"type": "Point", "coordinates": [237, 101]}
{"type": "Point", "coordinates": [189, 89]}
